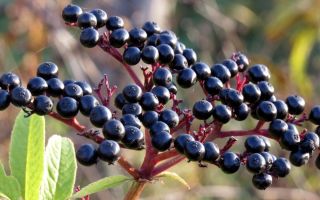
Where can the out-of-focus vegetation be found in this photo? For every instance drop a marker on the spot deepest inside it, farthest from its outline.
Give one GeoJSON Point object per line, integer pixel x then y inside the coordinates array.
{"type": "Point", "coordinates": [284, 35]}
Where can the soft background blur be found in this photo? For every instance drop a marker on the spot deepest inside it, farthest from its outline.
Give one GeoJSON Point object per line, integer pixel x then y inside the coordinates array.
{"type": "Point", "coordinates": [283, 34]}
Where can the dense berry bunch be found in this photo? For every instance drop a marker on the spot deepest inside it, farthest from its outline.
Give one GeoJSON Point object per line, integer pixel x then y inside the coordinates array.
{"type": "Point", "coordinates": [151, 113]}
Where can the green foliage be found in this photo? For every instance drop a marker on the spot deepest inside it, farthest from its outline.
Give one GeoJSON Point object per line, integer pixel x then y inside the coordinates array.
{"type": "Point", "coordinates": [102, 184]}
{"type": "Point", "coordinates": [9, 186]}
{"type": "Point", "coordinates": [60, 169]}
{"type": "Point", "coordinates": [175, 177]}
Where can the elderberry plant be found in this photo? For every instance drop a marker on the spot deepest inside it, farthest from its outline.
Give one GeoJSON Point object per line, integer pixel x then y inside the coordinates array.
{"type": "Point", "coordinates": [149, 114]}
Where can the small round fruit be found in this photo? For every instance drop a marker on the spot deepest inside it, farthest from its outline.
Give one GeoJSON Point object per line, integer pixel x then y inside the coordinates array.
{"type": "Point", "coordinates": [149, 54]}
{"type": "Point", "coordinates": [181, 140]}
{"type": "Point", "coordinates": [166, 53]}
{"type": "Point", "coordinates": [212, 152]}
{"type": "Point", "coordinates": [113, 130]}
{"type": "Point", "coordinates": [130, 120]}
{"type": "Point", "coordinates": [67, 107]}
{"type": "Point", "coordinates": [167, 38]}
{"type": "Point", "coordinates": [47, 70]}
{"type": "Point", "coordinates": [290, 140]}
{"type": "Point", "coordinates": [221, 113]}
{"type": "Point", "coordinates": [87, 103]}
{"type": "Point", "coordinates": [73, 90]}
{"type": "Point", "coordinates": [101, 17]}
{"type": "Point", "coordinates": [159, 127]}
{"type": "Point", "coordinates": [42, 105]}
{"type": "Point", "coordinates": [277, 128]}
{"type": "Point", "coordinates": [190, 55]}
{"type": "Point", "coordinates": [232, 66]}
{"type": "Point", "coordinates": [266, 89]}
{"type": "Point", "coordinates": [229, 162]}
{"type": "Point", "coordinates": [262, 181]}
{"type": "Point", "coordinates": [266, 111]}
{"type": "Point", "coordinates": [149, 118]}
{"type": "Point", "coordinates": [202, 70]}
{"type": "Point", "coordinates": [114, 23]}
{"type": "Point", "coordinates": [87, 155]}
{"type": "Point", "coordinates": [299, 158]}
{"type": "Point", "coordinates": [133, 138]}
{"type": "Point", "coordinates": [221, 72]}
{"type": "Point", "coordinates": [151, 28]}
{"type": "Point", "coordinates": [161, 141]}
{"type": "Point", "coordinates": [109, 151]}
{"type": "Point", "coordinates": [9, 80]}
{"type": "Point", "coordinates": [89, 37]}
{"type": "Point", "coordinates": [99, 115]}
{"type": "Point", "coordinates": [162, 76]}
{"type": "Point", "coordinates": [137, 36]}
{"type": "Point", "coordinates": [254, 144]}
{"type": "Point", "coordinates": [178, 63]}
{"type": "Point", "coordinates": [86, 20]}
{"type": "Point", "coordinates": [251, 93]}
{"type": "Point", "coordinates": [241, 112]}
{"type": "Point", "coordinates": [4, 99]}
{"type": "Point", "coordinates": [186, 78]}
{"type": "Point", "coordinates": [281, 167]}
{"type": "Point", "coordinates": [20, 96]}
{"type": "Point", "coordinates": [242, 61]}
{"type": "Point", "coordinates": [149, 101]}
{"type": "Point", "coordinates": [70, 13]}
{"type": "Point", "coordinates": [55, 87]}
{"type": "Point", "coordinates": [132, 93]}
{"type": "Point", "coordinates": [86, 88]}
{"type": "Point", "coordinates": [194, 150]}
{"type": "Point", "coordinates": [282, 109]}
{"type": "Point", "coordinates": [202, 109]}
{"type": "Point", "coordinates": [119, 37]}
{"type": "Point", "coordinates": [132, 55]}
{"type": "Point", "coordinates": [132, 108]}
{"type": "Point", "coordinates": [162, 94]}
{"type": "Point", "coordinates": [258, 73]}
{"type": "Point", "coordinates": [295, 104]}
{"type": "Point", "coordinates": [213, 85]}
{"type": "Point", "coordinates": [255, 163]}
{"type": "Point", "coordinates": [120, 101]}
{"type": "Point", "coordinates": [169, 117]}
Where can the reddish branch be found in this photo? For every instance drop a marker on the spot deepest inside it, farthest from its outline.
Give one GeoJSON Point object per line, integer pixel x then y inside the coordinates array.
{"type": "Point", "coordinates": [105, 99]}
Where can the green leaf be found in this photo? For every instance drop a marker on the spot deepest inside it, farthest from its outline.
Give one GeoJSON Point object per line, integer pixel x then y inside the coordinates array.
{"type": "Point", "coordinates": [174, 176]}
{"type": "Point", "coordinates": [4, 197]}
{"type": "Point", "coordinates": [60, 169]}
{"type": "Point", "coordinates": [9, 186]}
{"type": "Point", "coordinates": [102, 184]}
{"type": "Point", "coordinates": [27, 154]}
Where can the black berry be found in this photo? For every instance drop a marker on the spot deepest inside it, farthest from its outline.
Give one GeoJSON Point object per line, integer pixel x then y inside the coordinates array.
{"type": "Point", "coordinates": [113, 130]}
{"type": "Point", "coordinates": [109, 151]}
{"type": "Point", "coordinates": [99, 115]}
{"type": "Point", "coordinates": [42, 105]}
{"type": "Point", "coordinates": [87, 103]}
{"type": "Point", "coordinates": [47, 70]}
{"type": "Point", "coordinates": [87, 155]}
{"type": "Point", "coordinates": [89, 37]}
{"type": "Point", "coordinates": [67, 107]}
{"type": "Point", "coordinates": [20, 96]}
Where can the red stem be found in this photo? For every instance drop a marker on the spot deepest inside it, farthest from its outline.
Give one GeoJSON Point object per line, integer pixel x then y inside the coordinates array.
{"type": "Point", "coordinates": [165, 155]}
{"type": "Point", "coordinates": [166, 165]}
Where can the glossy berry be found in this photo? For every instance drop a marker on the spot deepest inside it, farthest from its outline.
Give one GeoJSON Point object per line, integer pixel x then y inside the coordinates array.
{"type": "Point", "coordinates": [295, 104]}
{"type": "Point", "coordinates": [267, 143]}
{"type": "Point", "coordinates": [202, 70]}
{"type": "Point", "coordinates": [242, 61]}
{"type": "Point", "coordinates": [70, 13]}
{"type": "Point", "coordinates": [152, 40]}
{"type": "Point", "coordinates": [179, 62]}
{"type": "Point", "coordinates": [132, 55]}
{"type": "Point", "coordinates": [133, 138]}
{"type": "Point", "coordinates": [68, 81]}
{"type": "Point", "coordinates": [213, 85]}
{"type": "Point", "coordinates": [255, 163]}
{"type": "Point", "coordinates": [221, 113]}
{"type": "Point", "coordinates": [190, 55]}
{"type": "Point", "coordinates": [234, 98]}
{"type": "Point", "coordinates": [4, 99]}
{"type": "Point", "coordinates": [100, 115]}
{"type": "Point", "coordinates": [281, 167]}
{"type": "Point", "coordinates": [229, 162]}
{"type": "Point", "coordinates": [169, 117]}
{"type": "Point", "coordinates": [114, 22]}
{"type": "Point", "coordinates": [132, 93]}
{"type": "Point", "coordinates": [119, 37]}
{"type": "Point", "coordinates": [47, 70]}
{"type": "Point", "coordinates": [266, 89]}
{"type": "Point", "coordinates": [266, 111]}
{"type": "Point", "coordinates": [42, 105]}
{"type": "Point", "coordinates": [258, 73]}
{"type": "Point", "coordinates": [158, 127]}
{"type": "Point", "coordinates": [162, 76]}
{"type": "Point", "coordinates": [221, 72]}
{"type": "Point", "coordinates": [290, 140]}
{"type": "Point", "coordinates": [87, 155]}
{"type": "Point", "coordinates": [202, 109]}
{"type": "Point", "coordinates": [186, 78]}
{"type": "Point", "coordinates": [89, 37]}
{"type": "Point", "coordinates": [150, 54]}
{"type": "Point", "coordinates": [194, 150]}
{"type": "Point", "coordinates": [166, 53]}
{"type": "Point", "coordinates": [149, 101]}
{"type": "Point", "coordinates": [167, 38]}
{"type": "Point", "coordinates": [130, 120]}
{"type": "Point", "coordinates": [254, 144]}
{"type": "Point", "coordinates": [113, 130]}
{"type": "Point", "coordinates": [87, 103]}
{"type": "Point", "coordinates": [232, 66]}
{"type": "Point", "coordinates": [151, 28]}
{"type": "Point", "coordinates": [299, 158]}
{"type": "Point", "coordinates": [86, 20]}
{"type": "Point", "coordinates": [282, 109]}
{"type": "Point", "coordinates": [268, 158]}
{"type": "Point", "coordinates": [172, 88]}
{"type": "Point", "coordinates": [37, 86]}
{"type": "Point", "coordinates": [55, 87]}
{"type": "Point", "coordinates": [262, 181]}
{"type": "Point", "coordinates": [181, 140]}
{"type": "Point", "coordinates": [241, 112]}
{"type": "Point", "coordinates": [314, 115]}
{"type": "Point", "coordinates": [9, 80]}
{"type": "Point", "coordinates": [120, 101]}
{"type": "Point", "coordinates": [149, 118]}
{"type": "Point", "coordinates": [251, 93]}
{"type": "Point", "coordinates": [109, 151]}
{"type": "Point", "coordinates": [310, 142]}
{"type": "Point", "coordinates": [137, 36]}
{"type": "Point", "coordinates": [101, 17]}
{"type": "Point", "coordinates": [179, 48]}
{"type": "Point", "coordinates": [162, 94]}
{"type": "Point", "coordinates": [161, 140]}
{"type": "Point", "coordinates": [277, 128]}
{"type": "Point", "coordinates": [212, 152]}
{"type": "Point", "coordinates": [67, 107]}
{"type": "Point", "coordinates": [73, 90]}
{"type": "Point", "coordinates": [20, 96]}
{"type": "Point", "coordinates": [86, 88]}
{"type": "Point", "coordinates": [132, 108]}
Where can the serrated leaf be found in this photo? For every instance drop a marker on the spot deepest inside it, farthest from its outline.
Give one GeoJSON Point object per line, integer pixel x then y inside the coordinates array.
{"type": "Point", "coordinates": [102, 184]}
{"type": "Point", "coordinates": [9, 186]}
{"type": "Point", "coordinates": [27, 154]}
{"type": "Point", "coordinates": [174, 176]}
{"type": "Point", "coordinates": [60, 169]}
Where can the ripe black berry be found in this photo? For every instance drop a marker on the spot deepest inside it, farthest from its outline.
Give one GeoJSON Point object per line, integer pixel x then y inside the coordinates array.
{"type": "Point", "coordinates": [212, 152]}
{"type": "Point", "coordinates": [161, 140]}
{"type": "Point", "coordinates": [99, 115]}
{"type": "Point", "coordinates": [221, 72]}
{"type": "Point", "coordinates": [86, 88]}
{"type": "Point", "coordinates": [202, 70]}
{"type": "Point", "coordinates": [194, 150]}
{"type": "Point", "coordinates": [221, 113]}
{"type": "Point", "coordinates": [169, 117]}
{"type": "Point", "coordinates": [67, 107]}
{"type": "Point", "coordinates": [137, 36]}
{"type": "Point", "coordinates": [242, 61]}
{"type": "Point", "coordinates": [268, 158]}
{"type": "Point", "coordinates": [37, 86]}
{"type": "Point", "coordinates": [101, 17]}
{"type": "Point", "coordinates": [87, 155]}
{"type": "Point", "coordinates": [149, 101]}
{"type": "Point", "coordinates": [73, 90]}
{"type": "Point", "coordinates": [86, 20]}
{"type": "Point", "coordinates": [9, 81]}
{"type": "Point", "coordinates": [229, 162]}
{"type": "Point", "coordinates": [150, 54]}
{"type": "Point", "coordinates": [132, 108]}
{"type": "Point", "coordinates": [113, 130]}
{"type": "Point", "coordinates": [281, 167]}
{"type": "Point", "coordinates": [266, 111]}
{"type": "Point", "coordinates": [151, 28]}
{"type": "Point", "coordinates": [114, 22]}
{"type": "Point", "coordinates": [42, 105]}
{"type": "Point", "coordinates": [232, 66]}
{"type": "Point", "coordinates": [262, 181]}
{"type": "Point", "coordinates": [167, 38]}
{"type": "Point", "coordinates": [87, 103]}
{"type": "Point", "coordinates": [266, 89]}
{"type": "Point", "coordinates": [120, 101]}
{"type": "Point", "coordinates": [20, 96]}
{"type": "Point", "coordinates": [70, 13]}
{"type": "Point", "coordinates": [258, 73]}
{"type": "Point", "coordinates": [290, 140]}
{"type": "Point", "coordinates": [241, 112]}
{"type": "Point", "coordinates": [179, 48]}
{"type": "Point", "coordinates": [152, 40]}
{"type": "Point", "coordinates": [314, 115]}
{"type": "Point", "coordinates": [166, 53]}
{"type": "Point", "coordinates": [130, 120]}
{"type": "Point", "coordinates": [202, 109]}
{"type": "Point", "coordinates": [68, 81]}
{"type": "Point", "coordinates": [89, 37]}
{"type": "Point", "coordinates": [190, 55]}
{"type": "Point", "coordinates": [179, 62]}
{"type": "Point", "coordinates": [109, 151]}
{"type": "Point", "coordinates": [158, 127]}
{"type": "Point", "coordinates": [132, 93]}
{"type": "Point", "coordinates": [234, 98]}
{"type": "Point", "coordinates": [172, 88]}
{"type": "Point", "coordinates": [162, 94]}
{"type": "Point", "coordinates": [149, 118]}
{"type": "Point", "coordinates": [55, 87]}
{"type": "Point", "coordinates": [4, 99]}
{"type": "Point", "coordinates": [295, 104]}
{"type": "Point", "coordinates": [254, 144]}
{"type": "Point", "coordinates": [251, 93]}
{"type": "Point", "coordinates": [255, 163]}
{"type": "Point", "coordinates": [181, 140]}
{"type": "Point", "coordinates": [310, 142]}
{"type": "Point", "coordinates": [132, 55]}
{"type": "Point", "coordinates": [47, 70]}
{"type": "Point", "coordinates": [133, 138]}
{"type": "Point", "coordinates": [119, 37]}
{"type": "Point", "coordinates": [282, 109]}
{"type": "Point", "coordinates": [299, 158]}
{"type": "Point", "coordinates": [186, 78]}
{"type": "Point", "coordinates": [162, 76]}
{"type": "Point", "coordinates": [213, 85]}
{"type": "Point", "coordinates": [277, 128]}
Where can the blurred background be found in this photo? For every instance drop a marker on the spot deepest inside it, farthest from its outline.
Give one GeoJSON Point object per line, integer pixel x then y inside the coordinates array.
{"type": "Point", "coordinates": [283, 34]}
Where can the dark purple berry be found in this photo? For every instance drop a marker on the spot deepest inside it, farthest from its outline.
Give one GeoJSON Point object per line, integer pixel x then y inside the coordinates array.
{"type": "Point", "coordinates": [70, 13]}
{"type": "Point", "coordinates": [20, 97]}
{"type": "Point", "coordinates": [232, 66]}
{"type": "Point", "coordinates": [67, 107]}
{"type": "Point", "coordinates": [132, 108]}
{"type": "Point", "coordinates": [130, 120]}
{"type": "Point", "coordinates": [186, 78]}
{"type": "Point", "coordinates": [42, 105]}
{"type": "Point", "coordinates": [133, 138]}
{"type": "Point", "coordinates": [161, 140]}
{"type": "Point", "coordinates": [100, 115]}
{"type": "Point", "coordinates": [73, 90]}
{"type": "Point", "coordinates": [101, 17]}
{"type": "Point", "coordinates": [266, 111]}
{"type": "Point", "coordinates": [258, 73]}
{"type": "Point", "coordinates": [109, 151]}
{"type": "Point", "coordinates": [202, 109]}
{"type": "Point", "coordinates": [114, 23]}
{"type": "Point", "coordinates": [169, 117]}
{"type": "Point", "coordinates": [212, 152]}
{"type": "Point", "coordinates": [166, 53]}
{"type": "Point", "coordinates": [162, 94]}
{"type": "Point", "coordinates": [150, 54]}
{"type": "Point", "coordinates": [221, 113]}
{"type": "Point", "coordinates": [221, 72]}
{"type": "Point", "coordinates": [132, 93]}
{"type": "Point", "coordinates": [113, 130]}
{"type": "Point", "coordinates": [9, 80]}
{"type": "Point", "coordinates": [213, 85]}
{"type": "Point", "coordinates": [162, 76]}
{"type": "Point", "coordinates": [181, 140]}
{"type": "Point", "coordinates": [194, 150]}
{"type": "Point", "coordinates": [47, 70]}
{"type": "Point", "coordinates": [251, 93]}
{"type": "Point", "coordinates": [241, 112]}
{"type": "Point", "coordinates": [190, 55]}
{"type": "Point", "coordinates": [158, 127]}
{"type": "Point", "coordinates": [89, 37]}
{"type": "Point", "coordinates": [55, 87]}
{"type": "Point", "coordinates": [87, 155]}
{"type": "Point", "coordinates": [149, 101]}
{"type": "Point", "coordinates": [120, 101]}
{"type": "Point", "coordinates": [86, 88]}
{"type": "Point", "coordinates": [262, 181]}
{"type": "Point", "coordinates": [119, 37]}
{"type": "Point", "coordinates": [151, 28]}
{"type": "Point", "coordinates": [149, 118]}
{"type": "Point", "coordinates": [229, 162]}
{"type": "Point", "coordinates": [202, 70]}
{"type": "Point", "coordinates": [87, 103]}
{"type": "Point", "coordinates": [255, 163]}
{"type": "Point", "coordinates": [179, 62]}
{"type": "Point", "coordinates": [86, 20]}
{"type": "Point", "coordinates": [132, 55]}
{"type": "Point", "coordinates": [254, 144]}
{"type": "Point", "coordinates": [282, 109]}
{"type": "Point", "coordinates": [4, 99]}
{"type": "Point", "coordinates": [277, 128]}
